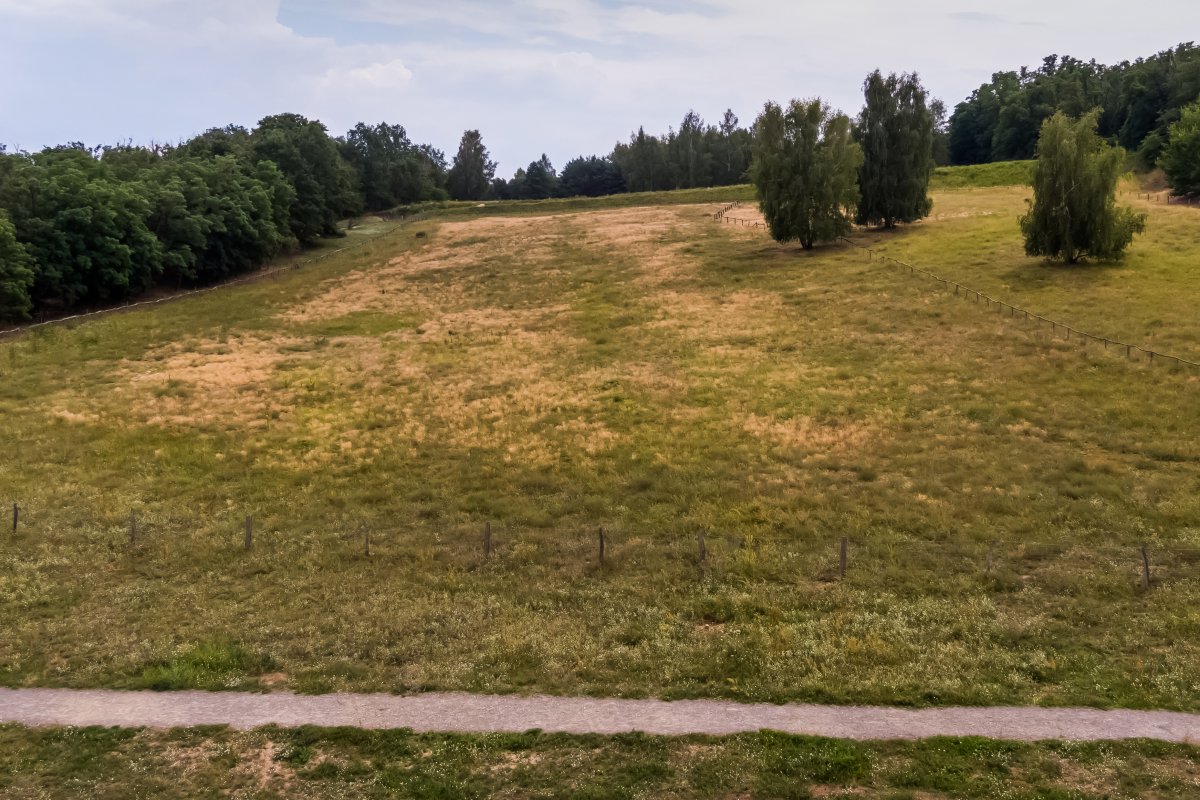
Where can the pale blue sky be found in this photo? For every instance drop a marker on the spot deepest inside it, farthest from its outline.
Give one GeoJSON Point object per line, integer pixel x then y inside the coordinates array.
{"type": "Point", "coordinates": [567, 77]}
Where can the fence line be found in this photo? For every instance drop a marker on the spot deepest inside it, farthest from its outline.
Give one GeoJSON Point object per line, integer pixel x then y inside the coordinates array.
{"type": "Point", "coordinates": [600, 546]}
{"type": "Point", "coordinates": [1167, 198]}
{"type": "Point", "coordinates": [1014, 311]}
{"type": "Point", "coordinates": [1150, 355]}
{"type": "Point", "coordinates": [255, 276]}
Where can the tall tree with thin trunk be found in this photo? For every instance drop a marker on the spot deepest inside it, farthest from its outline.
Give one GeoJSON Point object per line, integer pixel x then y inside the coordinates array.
{"type": "Point", "coordinates": [895, 130]}
{"type": "Point", "coordinates": [471, 175]}
{"type": "Point", "coordinates": [1074, 213]}
{"type": "Point", "coordinates": [805, 170]}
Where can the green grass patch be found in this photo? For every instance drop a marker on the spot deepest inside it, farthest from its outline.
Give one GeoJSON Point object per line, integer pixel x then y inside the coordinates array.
{"type": "Point", "coordinates": [211, 666]}
{"type": "Point", "coordinates": [981, 176]}
{"type": "Point", "coordinates": [318, 762]}
{"type": "Point", "coordinates": [651, 371]}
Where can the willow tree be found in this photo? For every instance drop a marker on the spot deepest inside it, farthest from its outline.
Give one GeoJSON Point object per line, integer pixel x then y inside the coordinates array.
{"type": "Point", "coordinates": [805, 170]}
{"type": "Point", "coordinates": [1074, 213]}
{"type": "Point", "coordinates": [896, 131]}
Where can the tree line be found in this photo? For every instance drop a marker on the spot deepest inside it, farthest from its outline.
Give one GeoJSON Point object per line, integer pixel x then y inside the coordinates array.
{"type": "Point", "coordinates": [696, 155]}
{"type": "Point", "coordinates": [1138, 102]}
{"type": "Point", "coordinates": [84, 226]}
{"type": "Point", "coordinates": [817, 173]}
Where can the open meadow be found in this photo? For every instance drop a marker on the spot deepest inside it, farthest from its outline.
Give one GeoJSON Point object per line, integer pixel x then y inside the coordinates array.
{"type": "Point", "coordinates": [647, 369]}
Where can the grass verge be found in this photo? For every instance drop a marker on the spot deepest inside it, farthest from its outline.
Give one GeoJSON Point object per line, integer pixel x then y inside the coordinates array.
{"type": "Point", "coordinates": [346, 763]}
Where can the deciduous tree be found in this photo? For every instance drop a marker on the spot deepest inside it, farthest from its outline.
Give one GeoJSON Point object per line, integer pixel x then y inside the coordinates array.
{"type": "Point", "coordinates": [1181, 158]}
{"type": "Point", "coordinates": [1074, 213]}
{"type": "Point", "coordinates": [895, 130]}
{"type": "Point", "coordinates": [805, 170]}
{"type": "Point", "coordinates": [16, 275]}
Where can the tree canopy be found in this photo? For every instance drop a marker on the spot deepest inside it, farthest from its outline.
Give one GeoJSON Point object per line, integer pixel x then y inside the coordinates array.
{"type": "Point", "coordinates": [86, 226]}
{"type": "Point", "coordinates": [805, 171]}
{"type": "Point", "coordinates": [1181, 157]}
{"type": "Point", "coordinates": [1139, 100]}
{"type": "Point", "coordinates": [591, 177]}
{"type": "Point", "coordinates": [1074, 214]}
{"type": "Point", "coordinates": [390, 169]}
{"type": "Point", "coordinates": [470, 177]}
{"type": "Point", "coordinates": [895, 130]}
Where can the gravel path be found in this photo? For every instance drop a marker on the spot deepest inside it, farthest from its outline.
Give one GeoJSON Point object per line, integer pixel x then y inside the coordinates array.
{"type": "Point", "coordinates": [469, 713]}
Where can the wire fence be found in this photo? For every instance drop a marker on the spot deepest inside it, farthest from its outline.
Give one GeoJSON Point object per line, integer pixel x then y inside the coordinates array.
{"type": "Point", "coordinates": [1131, 351]}
{"type": "Point", "coordinates": [1166, 198]}
{"type": "Point", "coordinates": [1014, 312]}
{"type": "Point", "coordinates": [470, 546]}
{"type": "Point", "coordinates": [171, 298]}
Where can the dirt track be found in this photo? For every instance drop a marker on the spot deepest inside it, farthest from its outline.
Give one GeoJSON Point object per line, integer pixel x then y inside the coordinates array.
{"type": "Point", "coordinates": [466, 713]}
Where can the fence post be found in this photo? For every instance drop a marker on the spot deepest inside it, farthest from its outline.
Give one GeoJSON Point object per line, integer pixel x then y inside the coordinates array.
{"type": "Point", "coordinates": [132, 527]}
{"type": "Point", "coordinates": [602, 546]}
{"type": "Point", "coordinates": [249, 533]}
{"type": "Point", "coordinates": [366, 541]}
{"type": "Point", "coordinates": [487, 540]}
{"type": "Point", "coordinates": [16, 516]}
{"type": "Point", "coordinates": [842, 558]}
{"type": "Point", "coordinates": [1145, 568]}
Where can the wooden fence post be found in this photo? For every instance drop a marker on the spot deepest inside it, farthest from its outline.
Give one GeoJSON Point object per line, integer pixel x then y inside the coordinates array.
{"type": "Point", "coordinates": [366, 541]}
{"type": "Point", "coordinates": [16, 516]}
{"type": "Point", "coordinates": [1145, 568]}
{"type": "Point", "coordinates": [132, 527]}
{"type": "Point", "coordinates": [602, 546]}
{"type": "Point", "coordinates": [842, 558]}
{"type": "Point", "coordinates": [249, 533]}
{"type": "Point", "coordinates": [487, 540]}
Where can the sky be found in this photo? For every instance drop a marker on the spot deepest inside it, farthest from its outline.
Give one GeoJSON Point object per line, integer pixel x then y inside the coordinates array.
{"type": "Point", "coordinates": [563, 77]}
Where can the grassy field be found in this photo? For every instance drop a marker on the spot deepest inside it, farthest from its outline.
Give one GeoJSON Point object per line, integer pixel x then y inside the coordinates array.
{"type": "Point", "coordinates": [98, 763]}
{"type": "Point", "coordinates": [555, 369]}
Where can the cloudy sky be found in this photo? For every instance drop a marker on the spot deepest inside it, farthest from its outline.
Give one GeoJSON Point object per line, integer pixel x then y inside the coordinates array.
{"type": "Point", "coordinates": [561, 76]}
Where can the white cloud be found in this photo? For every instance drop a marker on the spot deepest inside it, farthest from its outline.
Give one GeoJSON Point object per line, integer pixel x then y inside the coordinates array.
{"type": "Point", "coordinates": [389, 75]}
{"type": "Point", "coordinates": [561, 76]}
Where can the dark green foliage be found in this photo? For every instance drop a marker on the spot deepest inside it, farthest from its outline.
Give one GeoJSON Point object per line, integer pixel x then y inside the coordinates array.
{"type": "Point", "coordinates": [592, 177]}
{"type": "Point", "coordinates": [212, 666]}
{"type": "Point", "coordinates": [390, 169]}
{"type": "Point", "coordinates": [309, 159]}
{"type": "Point", "coordinates": [1000, 121]}
{"type": "Point", "coordinates": [895, 130]}
{"type": "Point", "coordinates": [1181, 157]}
{"type": "Point", "coordinates": [471, 176]}
{"type": "Point", "coordinates": [89, 226]}
{"type": "Point", "coordinates": [805, 170]}
{"type": "Point", "coordinates": [16, 277]}
{"type": "Point", "coordinates": [540, 181]}
{"type": "Point", "coordinates": [697, 155]}
{"type": "Point", "coordinates": [1074, 214]}
{"type": "Point", "coordinates": [84, 228]}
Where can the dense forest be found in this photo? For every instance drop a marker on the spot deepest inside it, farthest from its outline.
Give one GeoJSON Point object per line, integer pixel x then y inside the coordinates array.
{"type": "Point", "coordinates": [1138, 101]}
{"type": "Point", "coordinates": [696, 155]}
{"type": "Point", "coordinates": [83, 226]}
